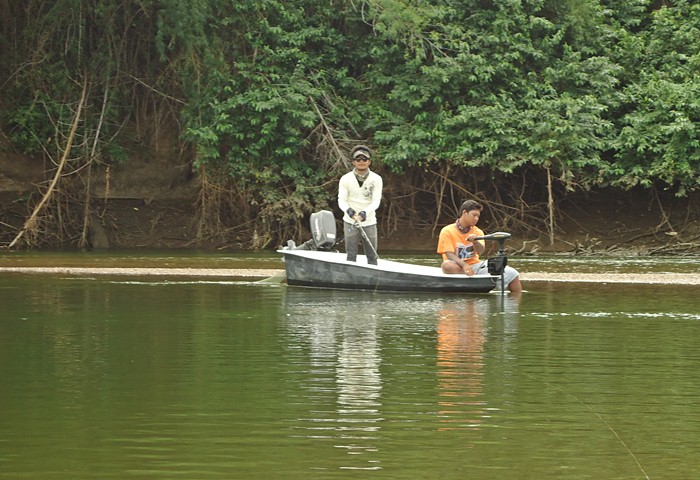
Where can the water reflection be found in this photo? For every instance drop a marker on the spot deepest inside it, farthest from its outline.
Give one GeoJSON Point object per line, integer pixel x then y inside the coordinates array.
{"type": "Point", "coordinates": [359, 387]}
{"type": "Point", "coordinates": [117, 379]}
{"type": "Point", "coordinates": [342, 333]}
{"type": "Point", "coordinates": [344, 355]}
{"type": "Point", "coordinates": [462, 332]}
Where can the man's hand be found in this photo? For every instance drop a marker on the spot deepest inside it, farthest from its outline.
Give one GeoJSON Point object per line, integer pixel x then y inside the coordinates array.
{"type": "Point", "coordinates": [479, 245]}
{"type": "Point", "coordinates": [468, 270]}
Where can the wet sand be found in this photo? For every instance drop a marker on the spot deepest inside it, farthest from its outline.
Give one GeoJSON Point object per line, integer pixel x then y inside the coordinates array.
{"type": "Point", "coordinates": [646, 278]}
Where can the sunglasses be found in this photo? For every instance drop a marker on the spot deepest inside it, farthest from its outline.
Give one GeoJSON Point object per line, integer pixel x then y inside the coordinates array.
{"type": "Point", "coordinates": [362, 159]}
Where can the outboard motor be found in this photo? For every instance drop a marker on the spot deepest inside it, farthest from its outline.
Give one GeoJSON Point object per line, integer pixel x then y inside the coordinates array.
{"type": "Point", "coordinates": [322, 233]}
{"type": "Point", "coordinates": [323, 229]}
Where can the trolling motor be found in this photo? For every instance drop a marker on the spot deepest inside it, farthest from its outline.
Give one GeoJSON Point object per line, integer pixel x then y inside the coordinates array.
{"type": "Point", "coordinates": [322, 233]}
{"type": "Point", "coordinates": [497, 264]}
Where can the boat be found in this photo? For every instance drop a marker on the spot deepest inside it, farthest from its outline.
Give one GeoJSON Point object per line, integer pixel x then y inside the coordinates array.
{"type": "Point", "coordinates": [316, 264]}
{"type": "Point", "coordinates": [326, 269]}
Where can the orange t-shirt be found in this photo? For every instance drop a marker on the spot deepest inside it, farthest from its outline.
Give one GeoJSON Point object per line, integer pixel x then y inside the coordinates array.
{"type": "Point", "coordinates": [452, 240]}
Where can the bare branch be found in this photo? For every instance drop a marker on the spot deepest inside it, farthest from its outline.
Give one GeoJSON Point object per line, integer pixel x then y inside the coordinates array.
{"type": "Point", "coordinates": [31, 222]}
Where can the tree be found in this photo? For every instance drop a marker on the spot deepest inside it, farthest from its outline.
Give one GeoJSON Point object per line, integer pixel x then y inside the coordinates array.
{"type": "Point", "coordinates": [658, 138]}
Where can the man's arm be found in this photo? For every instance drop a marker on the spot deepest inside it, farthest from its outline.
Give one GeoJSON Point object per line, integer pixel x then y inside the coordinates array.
{"type": "Point", "coordinates": [479, 245]}
{"type": "Point", "coordinates": [343, 195]}
{"type": "Point", "coordinates": [453, 256]}
{"type": "Point", "coordinates": [454, 264]}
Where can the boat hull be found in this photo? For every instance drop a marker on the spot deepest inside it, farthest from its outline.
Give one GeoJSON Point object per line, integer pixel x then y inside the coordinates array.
{"type": "Point", "coordinates": [332, 270]}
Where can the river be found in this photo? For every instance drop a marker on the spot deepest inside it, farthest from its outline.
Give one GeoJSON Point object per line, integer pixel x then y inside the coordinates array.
{"type": "Point", "coordinates": [138, 376]}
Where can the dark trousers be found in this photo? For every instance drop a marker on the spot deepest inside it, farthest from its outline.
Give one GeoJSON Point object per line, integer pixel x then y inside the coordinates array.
{"type": "Point", "coordinates": [353, 236]}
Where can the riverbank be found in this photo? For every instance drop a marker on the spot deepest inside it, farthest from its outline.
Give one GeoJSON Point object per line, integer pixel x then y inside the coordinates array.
{"type": "Point", "coordinates": [263, 273]}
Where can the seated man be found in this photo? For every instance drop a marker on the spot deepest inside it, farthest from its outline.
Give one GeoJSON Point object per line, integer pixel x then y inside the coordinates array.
{"type": "Point", "coordinates": [460, 252]}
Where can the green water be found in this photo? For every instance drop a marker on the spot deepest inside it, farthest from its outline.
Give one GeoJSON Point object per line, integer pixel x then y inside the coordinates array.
{"type": "Point", "coordinates": [154, 378]}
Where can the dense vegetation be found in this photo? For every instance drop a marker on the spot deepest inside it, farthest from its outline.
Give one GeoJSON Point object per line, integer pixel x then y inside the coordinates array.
{"type": "Point", "coordinates": [517, 101]}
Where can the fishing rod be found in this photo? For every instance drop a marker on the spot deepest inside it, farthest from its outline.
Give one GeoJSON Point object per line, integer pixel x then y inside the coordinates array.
{"type": "Point", "coordinates": [366, 238]}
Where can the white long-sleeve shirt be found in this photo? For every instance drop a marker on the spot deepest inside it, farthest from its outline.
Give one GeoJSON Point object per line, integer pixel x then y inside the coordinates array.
{"type": "Point", "coordinates": [365, 198]}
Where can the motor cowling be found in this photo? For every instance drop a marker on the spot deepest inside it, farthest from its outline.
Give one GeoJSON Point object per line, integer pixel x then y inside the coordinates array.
{"type": "Point", "coordinates": [323, 230]}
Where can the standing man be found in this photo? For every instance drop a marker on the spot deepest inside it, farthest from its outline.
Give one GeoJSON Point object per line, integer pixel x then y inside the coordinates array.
{"type": "Point", "coordinates": [460, 251]}
{"type": "Point", "coordinates": [359, 196]}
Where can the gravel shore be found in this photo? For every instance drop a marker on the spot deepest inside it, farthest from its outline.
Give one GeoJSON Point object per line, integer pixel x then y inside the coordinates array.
{"type": "Point", "coordinates": [647, 278]}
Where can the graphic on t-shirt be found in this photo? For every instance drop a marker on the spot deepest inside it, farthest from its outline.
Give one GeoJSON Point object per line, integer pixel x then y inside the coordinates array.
{"type": "Point", "coordinates": [465, 251]}
{"type": "Point", "coordinates": [367, 190]}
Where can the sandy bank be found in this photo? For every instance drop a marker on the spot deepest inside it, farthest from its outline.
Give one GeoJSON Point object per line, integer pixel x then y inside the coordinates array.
{"type": "Point", "coordinates": [647, 278]}
{"type": "Point", "coordinates": [158, 272]}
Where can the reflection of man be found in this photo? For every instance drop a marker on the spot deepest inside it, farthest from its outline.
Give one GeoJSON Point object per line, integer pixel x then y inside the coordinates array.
{"type": "Point", "coordinates": [359, 379]}
{"type": "Point", "coordinates": [462, 331]}
{"type": "Point", "coordinates": [345, 354]}
{"type": "Point", "coordinates": [461, 338]}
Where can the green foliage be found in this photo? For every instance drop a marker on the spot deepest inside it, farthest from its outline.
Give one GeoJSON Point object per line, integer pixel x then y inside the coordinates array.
{"type": "Point", "coordinates": [502, 87]}
{"type": "Point", "coordinates": [62, 44]}
{"type": "Point", "coordinates": [256, 110]}
{"type": "Point", "coordinates": [268, 93]}
{"type": "Point", "coordinates": [29, 127]}
{"type": "Point", "coordinates": [658, 136]}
